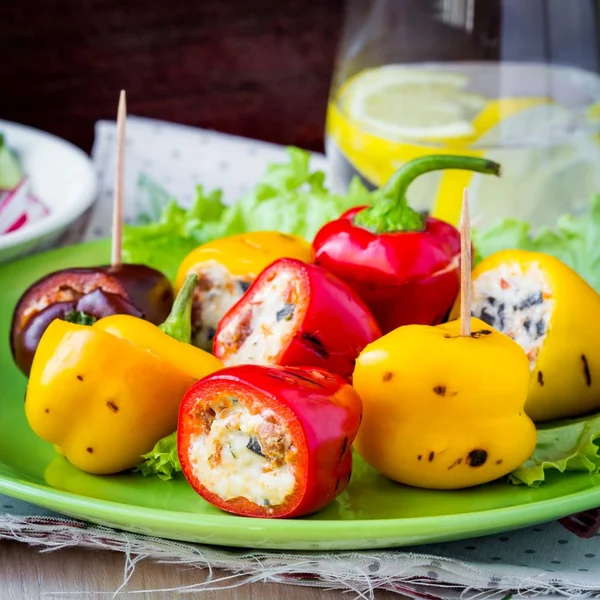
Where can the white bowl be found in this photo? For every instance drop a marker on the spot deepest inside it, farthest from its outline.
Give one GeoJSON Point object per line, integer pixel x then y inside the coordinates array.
{"type": "Point", "coordinates": [61, 176]}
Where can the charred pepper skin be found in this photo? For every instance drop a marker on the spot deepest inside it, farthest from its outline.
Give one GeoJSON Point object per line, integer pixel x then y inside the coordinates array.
{"type": "Point", "coordinates": [105, 394]}
{"type": "Point", "coordinates": [335, 327]}
{"type": "Point", "coordinates": [565, 376]}
{"type": "Point", "coordinates": [442, 411]}
{"type": "Point", "coordinates": [404, 267]}
{"type": "Point", "coordinates": [136, 290]}
{"type": "Point", "coordinates": [321, 410]}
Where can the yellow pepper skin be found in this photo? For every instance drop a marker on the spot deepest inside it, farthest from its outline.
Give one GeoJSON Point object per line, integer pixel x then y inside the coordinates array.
{"type": "Point", "coordinates": [441, 411]}
{"type": "Point", "coordinates": [194, 362]}
{"type": "Point", "coordinates": [105, 394]}
{"type": "Point", "coordinates": [565, 365]}
{"type": "Point", "coordinates": [247, 254]}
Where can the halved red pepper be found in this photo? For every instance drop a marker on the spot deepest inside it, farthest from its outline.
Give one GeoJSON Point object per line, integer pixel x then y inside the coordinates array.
{"type": "Point", "coordinates": [296, 314]}
{"type": "Point", "coordinates": [403, 265]}
{"type": "Point", "coordinates": [268, 442]}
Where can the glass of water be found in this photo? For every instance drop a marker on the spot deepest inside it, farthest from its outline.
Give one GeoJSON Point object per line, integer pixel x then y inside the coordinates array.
{"type": "Point", "coordinates": [510, 80]}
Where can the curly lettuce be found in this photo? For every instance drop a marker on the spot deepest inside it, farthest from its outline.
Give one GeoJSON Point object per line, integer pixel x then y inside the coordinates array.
{"type": "Point", "coordinates": [162, 460]}
{"type": "Point", "coordinates": [575, 241]}
{"type": "Point", "coordinates": [289, 198]}
{"type": "Point", "coordinates": [565, 446]}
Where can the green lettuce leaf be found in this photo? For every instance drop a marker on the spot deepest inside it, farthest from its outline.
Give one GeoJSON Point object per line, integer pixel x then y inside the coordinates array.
{"type": "Point", "coordinates": [163, 244]}
{"type": "Point", "coordinates": [563, 446]}
{"type": "Point", "coordinates": [289, 198]}
{"type": "Point", "coordinates": [162, 460]}
{"type": "Point", "coordinates": [575, 241]}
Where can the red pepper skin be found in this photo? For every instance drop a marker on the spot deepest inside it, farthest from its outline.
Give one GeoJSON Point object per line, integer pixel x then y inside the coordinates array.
{"type": "Point", "coordinates": [321, 411]}
{"type": "Point", "coordinates": [128, 289]}
{"type": "Point", "coordinates": [335, 327]}
{"type": "Point", "coordinates": [403, 277]}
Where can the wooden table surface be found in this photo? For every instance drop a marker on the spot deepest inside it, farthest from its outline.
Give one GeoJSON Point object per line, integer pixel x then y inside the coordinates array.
{"type": "Point", "coordinates": [26, 574]}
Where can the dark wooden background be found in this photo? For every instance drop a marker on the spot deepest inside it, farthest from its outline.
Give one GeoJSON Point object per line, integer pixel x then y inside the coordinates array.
{"type": "Point", "coordinates": [258, 68]}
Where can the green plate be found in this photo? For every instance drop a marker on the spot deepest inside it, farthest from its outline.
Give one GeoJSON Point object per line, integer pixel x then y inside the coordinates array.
{"type": "Point", "coordinates": [372, 513]}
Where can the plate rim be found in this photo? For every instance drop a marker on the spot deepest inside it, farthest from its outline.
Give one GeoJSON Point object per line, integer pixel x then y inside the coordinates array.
{"type": "Point", "coordinates": [275, 534]}
{"type": "Point", "coordinates": [386, 530]}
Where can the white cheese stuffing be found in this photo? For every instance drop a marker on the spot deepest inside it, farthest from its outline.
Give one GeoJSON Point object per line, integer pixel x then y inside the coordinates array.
{"type": "Point", "coordinates": [517, 302]}
{"type": "Point", "coordinates": [270, 321]}
{"type": "Point", "coordinates": [216, 292]}
{"type": "Point", "coordinates": [225, 465]}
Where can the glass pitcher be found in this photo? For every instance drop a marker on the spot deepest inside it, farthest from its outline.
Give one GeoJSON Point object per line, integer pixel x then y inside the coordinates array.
{"type": "Point", "coordinates": [511, 80]}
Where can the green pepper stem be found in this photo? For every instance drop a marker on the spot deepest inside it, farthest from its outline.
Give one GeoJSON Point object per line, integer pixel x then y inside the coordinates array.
{"type": "Point", "coordinates": [406, 174]}
{"type": "Point", "coordinates": [390, 211]}
{"type": "Point", "coordinates": [79, 318]}
{"type": "Point", "coordinates": [179, 322]}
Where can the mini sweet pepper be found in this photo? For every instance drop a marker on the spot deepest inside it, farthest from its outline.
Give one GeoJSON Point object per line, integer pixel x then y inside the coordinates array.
{"type": "Point", "coordinates": [105, 394]}
{"type": "Point", "coordinates": [296, 314]}
{"type": "Point", "coordinates": [267, 441]}
{"type": "Point", "coordinates": [442, 410]}
{"type": "Point", "coordinates": [226, 267]}
{"type": "Point", "coordinates": [403, 265]}
{"type": "Point", "coordinates": [554, 315]}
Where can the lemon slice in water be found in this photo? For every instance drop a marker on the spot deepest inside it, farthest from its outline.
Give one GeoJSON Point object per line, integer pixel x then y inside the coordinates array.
{"type": "Point", "coordinates": [405, 103]}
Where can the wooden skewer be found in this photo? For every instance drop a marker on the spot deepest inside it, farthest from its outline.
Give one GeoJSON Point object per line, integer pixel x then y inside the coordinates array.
{"type": "Point", "coordinates": [465, 268]}
{"type": "Point", "coordinates": [117, 222]}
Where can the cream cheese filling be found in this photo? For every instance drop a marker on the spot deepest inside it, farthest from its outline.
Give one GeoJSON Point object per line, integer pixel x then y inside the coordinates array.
{"type": "Point", "coordinates": [216, 292]}
{"type": "Point", "coordinates": [516, 301]}
{"type": "Point", "coordinates": [244, 454]}
{"type": "Point", "coordinates": [257, 334]}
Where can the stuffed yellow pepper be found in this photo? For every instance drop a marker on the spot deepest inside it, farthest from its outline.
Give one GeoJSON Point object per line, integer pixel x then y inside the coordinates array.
{"type": "Point", "coordinates": [441, 410]}
{"type": "Point", "coordinates": [554, 315]}
{"type": "Point", "coordinates": [105, 394]}
{"type": "Point", "coordinates": [226, 268]}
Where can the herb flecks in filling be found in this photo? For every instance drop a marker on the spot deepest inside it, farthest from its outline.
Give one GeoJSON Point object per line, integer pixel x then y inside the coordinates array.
{"type": "Point", "coordinates": [517, 300]}
{"type": "Point", "coordinates": [264, 325]}
{"type": "Point", "coordinates": [239, 453]}
{"type": "Point", "coordinates": [216, 292]}
{"type": "Point", "coordinates": [287, 312]}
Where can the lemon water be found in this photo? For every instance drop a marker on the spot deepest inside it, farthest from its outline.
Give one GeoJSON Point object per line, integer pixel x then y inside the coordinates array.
{"type": "Point", "coordinates": [539, 122]}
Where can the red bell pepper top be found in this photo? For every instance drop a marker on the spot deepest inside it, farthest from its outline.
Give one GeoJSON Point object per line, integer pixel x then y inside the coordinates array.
{"type": "Point", "coordinates": [387, 250]}
{"type": "Point", "coordinates": [330, 324]}
{"type": "Point", "coordinates": [394, 258]}
{"type": "Point", "coordinates": [319, 410]}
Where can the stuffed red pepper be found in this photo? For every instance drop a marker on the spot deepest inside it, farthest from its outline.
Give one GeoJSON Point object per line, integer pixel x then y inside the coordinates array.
{"type": "Point", "coordinates": [296, 314]}
{"type": "Point", "coordinates": [403, 265]}
{"type": "Point", "coordinates": [268, 442]}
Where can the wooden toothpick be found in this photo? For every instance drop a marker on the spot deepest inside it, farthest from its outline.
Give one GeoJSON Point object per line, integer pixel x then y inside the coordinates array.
{"type": "Point", "coordinates": [465, 268]}
{"type": "Point", "coordinates": [117, 222]}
